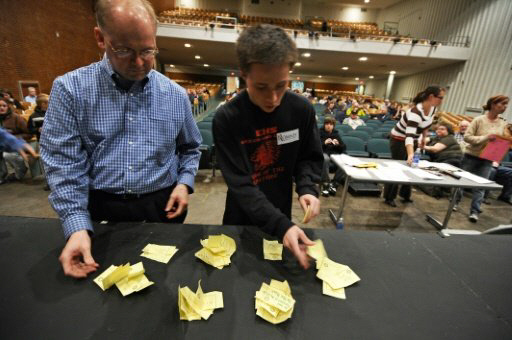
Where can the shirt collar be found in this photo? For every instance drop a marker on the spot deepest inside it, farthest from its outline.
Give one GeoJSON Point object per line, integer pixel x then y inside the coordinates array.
{"type": "Point", "coordinates": [107, 67]}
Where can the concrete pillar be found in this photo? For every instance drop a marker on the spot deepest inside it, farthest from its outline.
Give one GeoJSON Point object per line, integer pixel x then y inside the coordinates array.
{"type": "Point", "coordinates": [391, 78]}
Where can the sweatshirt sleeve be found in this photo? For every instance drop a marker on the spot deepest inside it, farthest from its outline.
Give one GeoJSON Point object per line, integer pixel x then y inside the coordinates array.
{"type": "Point", "coordinates": [309, 164]}
{"type": "Point", "coordinates": [471, 136]}
{"type": "Point", "coordinates": [233, 163]}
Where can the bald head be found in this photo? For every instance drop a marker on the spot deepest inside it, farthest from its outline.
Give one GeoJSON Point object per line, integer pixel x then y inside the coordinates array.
{"type": "Point", "coordinates": [463, 125]}
{"type": "Point", "coordinates": [114, 14]}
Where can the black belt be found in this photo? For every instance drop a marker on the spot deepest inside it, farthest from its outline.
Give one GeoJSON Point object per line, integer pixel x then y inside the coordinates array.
{"type": "Point", "coordinates": [126, 196]}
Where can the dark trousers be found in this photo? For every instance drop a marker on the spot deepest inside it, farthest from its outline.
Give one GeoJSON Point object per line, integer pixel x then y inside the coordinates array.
{"type": "Point", "coordinates": [398, 152]}
{"type": "Point", "coordinates": [149, 207]}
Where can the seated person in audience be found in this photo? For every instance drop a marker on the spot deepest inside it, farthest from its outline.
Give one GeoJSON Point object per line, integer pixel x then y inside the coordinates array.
{"type": "Point", "coordinates": [331, 144]}
{"type": "Point", "coordinates": [443, 148]}
{"type": "Point", "coordinates": [9, 143]}
{"type": "Point", "coordinates": [13, 102]}
{"type": "Point", "coordinates": [17, 126]}
{"type": "Point", "coordinates": [360, 112]}
{"type": "Point", "coordinates": [35, 122]}
{"type": "Point", "coordinates": [329, 110]}
{"type": "Point", "coordinates": [32, 94]}
{"type": "Point", "coordinates": [354, 121]}
{"type": "Point", "coordinates": [266, 138]}
{"type": "Point", "coordinates": [459, 136]}
{"type": "Point", "coordinates": [502, 175]}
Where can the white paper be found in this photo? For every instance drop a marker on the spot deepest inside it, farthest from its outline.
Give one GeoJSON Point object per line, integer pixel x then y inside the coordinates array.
{"type": "Point", "coordinates": [424, 174]}
{"type": "Point", "coordinates": [474, 178]}
{"type": "Point", "coordinates": [357, 173]}
{"type": "Point", "coordinates": [346, 159]}
{"type": "Point", "coordinates": [389, 174]}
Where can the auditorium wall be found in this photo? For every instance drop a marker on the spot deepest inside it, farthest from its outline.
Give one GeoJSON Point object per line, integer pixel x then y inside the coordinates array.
{"type": "Point", "coordinates": [342, 13]}
{"type": "Point", "coordinates": [290, 9]}
{"type": "Point", "coordinates": [42, 39]}
{"type": "Point", "coordinates": [488, 71]}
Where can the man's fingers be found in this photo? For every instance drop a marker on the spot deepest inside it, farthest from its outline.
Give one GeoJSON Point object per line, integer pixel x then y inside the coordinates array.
{"type": "Point", "coordinates": [170, 203]}
{"type": "Point", "coordinates": [304, 239]}
{"type": "Point", "coordinates": [88, 259]}
{"type": "Point", "coordinates": [179, 210]}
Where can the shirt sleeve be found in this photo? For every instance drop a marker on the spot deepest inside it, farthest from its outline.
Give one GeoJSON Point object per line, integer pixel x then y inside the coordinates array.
{"type": "Point", "coordinates": [8, 142]}
{"type": "Point", "coordinates": [187, 145]}
{"type": "Point", "coordinates": [471, 136]}
{"type": "Point", "coordinates": [413, 120]}
{"type": "Point", "coordinates": [238, 178]}
{"type": "Point", "coordinates": [66, 162]}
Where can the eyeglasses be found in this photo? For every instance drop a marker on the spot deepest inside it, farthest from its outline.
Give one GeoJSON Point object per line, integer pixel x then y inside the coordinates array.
{"type": "Point", "coordinates": [440, 97]}
{"type": "Point", "coordinates": [125, 52]}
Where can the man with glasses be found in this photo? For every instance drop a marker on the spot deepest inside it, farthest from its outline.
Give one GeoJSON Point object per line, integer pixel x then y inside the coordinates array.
{"type": "Point", "coordinates": [119, 141]}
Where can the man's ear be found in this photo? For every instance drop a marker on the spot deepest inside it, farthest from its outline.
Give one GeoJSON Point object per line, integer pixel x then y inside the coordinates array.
{"type": "Point", "coordinates": [100, 38]}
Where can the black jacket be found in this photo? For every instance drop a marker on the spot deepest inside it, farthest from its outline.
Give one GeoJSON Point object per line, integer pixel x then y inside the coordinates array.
{"type": "Point", "coordinates": [331, 148]}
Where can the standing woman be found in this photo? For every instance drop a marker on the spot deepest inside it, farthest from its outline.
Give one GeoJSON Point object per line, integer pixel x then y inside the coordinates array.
{"type": "Point", "coordinates": [482, 130]}
{"type": "Point", "coordinates": [406, 133]}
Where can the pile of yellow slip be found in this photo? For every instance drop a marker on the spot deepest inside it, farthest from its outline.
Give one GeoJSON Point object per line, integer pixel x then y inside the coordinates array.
{"type": "Point", "coordinates": [274, 302]}
{"type": "Point", "coordinates": [159, 253]}
{"type": "Point", "coordinates": [366, 165]}
{"type": "Point", "coordinates": [217, 250]}
{"type": "Point", "coordinates": [335, 276]}
{"type": "Point", "coordinates": [194, 306]}
{"type": "Point", "coordinates": [128, 279]}
{"type": "Point", "coordinates": [272, 250]}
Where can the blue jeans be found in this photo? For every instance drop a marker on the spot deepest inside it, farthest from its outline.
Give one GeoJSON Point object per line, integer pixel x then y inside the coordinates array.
{"type": "Point", "coordinates": [503, 175]}
{"type": "Point", "coordinates": [480, 167]}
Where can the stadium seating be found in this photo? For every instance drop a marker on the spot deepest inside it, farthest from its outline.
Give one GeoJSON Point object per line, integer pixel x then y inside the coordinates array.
{"type": "Point", "coordinates": [379, 148]}
{"type": "Point", "coordinates": [355, 146]}
{"type": "Point", "coordinates": [363, 135]}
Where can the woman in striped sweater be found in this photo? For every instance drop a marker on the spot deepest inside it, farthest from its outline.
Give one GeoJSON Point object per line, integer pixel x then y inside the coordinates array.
{"type": "Point", "coordinates": [405, 135]}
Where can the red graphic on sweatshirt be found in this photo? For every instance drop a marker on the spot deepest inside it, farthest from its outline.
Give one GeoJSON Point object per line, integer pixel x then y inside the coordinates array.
{"type": "Point", "coordinates": [265, 155]}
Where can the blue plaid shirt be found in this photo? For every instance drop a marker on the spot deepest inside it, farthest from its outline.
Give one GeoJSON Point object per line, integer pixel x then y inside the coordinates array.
{"type": "Point", "coordinates": [97, 136]}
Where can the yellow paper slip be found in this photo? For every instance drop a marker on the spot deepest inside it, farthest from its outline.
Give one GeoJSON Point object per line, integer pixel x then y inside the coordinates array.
{"type": "Point", "coordinates": [159, 253]}
{"type": "Point", "coordinates": [272, 250]}
{"type": "Point", "coordinates": [128, 279]}
{"type": "Point", "coordinates": [217, 250]}
{"type": "Point", "coordinates": [274, 303]}
{"type": "Point", "coordinates": [317, 251]}
{"type": "Point", "coordinates": [366, 165]}
{"type": "Point", "coordinates": [336, 275]}
{"type": "Point", "coordinates": [198, 305]}
{"type": "Point", "coordinates": [307, 214]}
{"type": "Point", "coordinates": [337, 293]}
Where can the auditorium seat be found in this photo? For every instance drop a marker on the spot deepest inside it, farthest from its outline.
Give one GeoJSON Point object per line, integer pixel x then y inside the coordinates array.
{"type": "Point", "coordinates": [355, 146]}
{"type": "Point", "coordinates": [379, 148]}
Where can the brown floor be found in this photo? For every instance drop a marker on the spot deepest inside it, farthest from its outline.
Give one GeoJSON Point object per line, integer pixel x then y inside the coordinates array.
{"type": "Point", "coordinates": [361, 213]}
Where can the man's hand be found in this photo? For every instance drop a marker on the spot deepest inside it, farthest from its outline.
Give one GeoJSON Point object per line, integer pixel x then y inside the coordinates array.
{"type": "Point", "coordinates": [491, 137]}
{"type": "Point", "coordinates": [328, 141]}
{"type": "Point", "coordinates": [178, 201]}
{"type": "Point", "coordinates": [335, 142]}
{"type": "Point", "coordinates": [299, 250]}
{"type": "Point", "coordinates": [27, 148]}
{"type": "Point", "coordinates": [76, 258]}
{"type": "Point", "coordinates": [313, 202]}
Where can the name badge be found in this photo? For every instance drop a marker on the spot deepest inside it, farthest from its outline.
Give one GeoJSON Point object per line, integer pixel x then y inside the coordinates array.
{"type": "Point", "coordinates": [287, 137]}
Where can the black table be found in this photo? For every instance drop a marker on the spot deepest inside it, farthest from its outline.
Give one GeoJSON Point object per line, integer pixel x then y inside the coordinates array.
{"type": "Point", "coordinates": [414, 286]}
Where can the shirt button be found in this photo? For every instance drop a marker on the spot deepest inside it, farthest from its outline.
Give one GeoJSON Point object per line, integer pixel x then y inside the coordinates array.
{"type": "Point", "coordinates": [130, 167]}
{"type": "Point", "coordinates": [131, 94]}
{"type": "Point", "coordinates": [130, 143]}
{"type": "Point", "coordinates": [129, 191]}
{"type": "Point", "coordinates": [130, 119]}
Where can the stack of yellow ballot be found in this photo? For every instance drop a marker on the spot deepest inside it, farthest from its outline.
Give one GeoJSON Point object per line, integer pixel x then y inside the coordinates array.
{"type": "Point", "coordinates": [366, 165]}
{"type": "Point", "coordinates": [128, 279]}
{"type": "Point", "coordinates": [274, 302]}
{"type": "Point", "coordinates": [335, 276]}
{"type": "Point", "coordinates": [217, 250]}
{"type": "Point", "coordinates": [159, 253]}
{"type": "Point", "coordinates": [194, 306]}
{"type": "Point", "coordinates": [272, 250]}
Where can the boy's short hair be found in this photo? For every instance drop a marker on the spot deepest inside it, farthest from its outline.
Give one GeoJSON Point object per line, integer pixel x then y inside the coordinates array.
{"type": "Point", "coordinates": [330, 120]}
{"type": "Point", "coordinates": [265, 44]}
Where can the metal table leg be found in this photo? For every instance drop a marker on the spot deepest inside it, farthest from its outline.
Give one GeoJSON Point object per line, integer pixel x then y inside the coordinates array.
{"type": "Point", "coordinates": [338, 219]}
{"type": "Point", "coordinates": [444, 225]}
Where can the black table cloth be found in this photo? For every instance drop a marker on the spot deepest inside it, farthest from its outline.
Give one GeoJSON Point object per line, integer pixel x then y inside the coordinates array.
{"type": "Point", "coordinates": [413, 286]}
